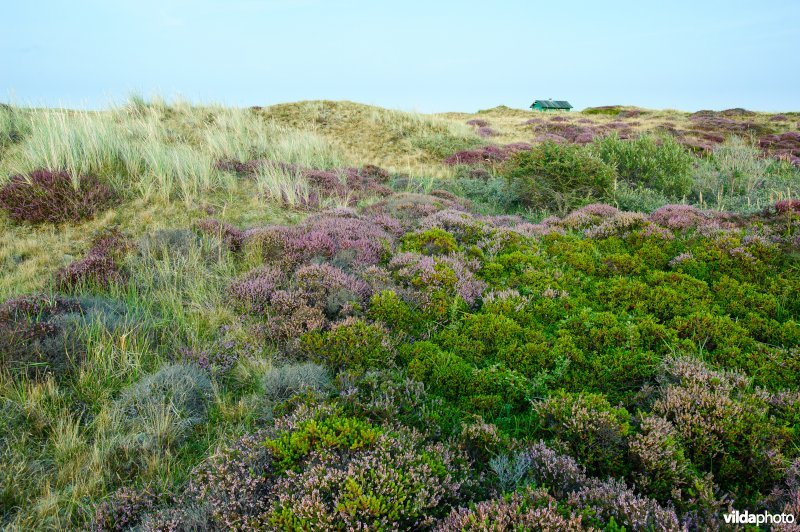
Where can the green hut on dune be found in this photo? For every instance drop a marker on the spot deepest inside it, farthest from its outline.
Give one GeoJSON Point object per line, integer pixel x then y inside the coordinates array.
{"type": "Point", "coordinates": [551, 105]}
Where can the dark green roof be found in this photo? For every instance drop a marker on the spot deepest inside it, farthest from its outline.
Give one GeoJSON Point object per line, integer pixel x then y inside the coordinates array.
{"type": "Point", "coordinates": [552, 104]}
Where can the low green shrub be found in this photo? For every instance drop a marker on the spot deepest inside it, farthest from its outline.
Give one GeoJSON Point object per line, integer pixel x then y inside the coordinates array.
{"type": "Point", "coordinates": [442, 372]}
{"type": "Point", "coordinates": [430, 242]}
{"type": "Point", "coordinates": [353, 344]}
{"type": "Point", "coordinates": [316, 435]}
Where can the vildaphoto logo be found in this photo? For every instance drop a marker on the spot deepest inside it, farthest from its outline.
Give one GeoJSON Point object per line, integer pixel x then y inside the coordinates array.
{"type": "Point", "coordinates": [746, 518]}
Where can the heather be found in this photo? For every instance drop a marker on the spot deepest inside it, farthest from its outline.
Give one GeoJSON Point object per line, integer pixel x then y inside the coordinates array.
{"type": "Point", "coordinates": [594, 333]}
{"type": "Point", "coordinates": [53, 197]}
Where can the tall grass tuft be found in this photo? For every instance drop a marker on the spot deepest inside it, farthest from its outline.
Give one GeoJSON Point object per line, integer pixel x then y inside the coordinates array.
{"type": "Point", "coordinates": [286, 186]}
{"type": "Point", "coordinates": [737, 176]}
{"type": "Point", "coordinates": [14, 125]}
{"type": "Point", "coordinates": [136, 156]}
{"type": "Point", "coordinates": [304, 148]}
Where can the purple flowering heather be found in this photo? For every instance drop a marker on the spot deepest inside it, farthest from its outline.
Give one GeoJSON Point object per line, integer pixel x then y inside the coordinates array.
{"type": "Point", "coordinates": [613, 499]}
{"type": "Point", "coordinates": [255, 289]}
{"type": "Point", "coordinates": [323, 236]}
{"type": "Point", "coordinates": [100, 266]}
{"type": "Point", "coordinates": [460, 224]}
{"type": "Point", "coordinates": [290, 316]}
{"type": "Point", "coordinates": [420, 272]}
{"type": "Point", "coordinates": [540, 229]}
{"type": "Point", "coordinates": [679, 259]}
{"type": "Point", "coordinates": [785, 496]}
{"type": "Point", "coordinates": [392, 472]}
{"type": "Point", "coordinates": [317, 282]}
{"type": "Point", "coordinates": [234, 483]}
{"type": "Point", "coordinates": [327, 236]}
{"type": "Point", "coordinates": [679, 217]}
{"type": "Point", "coordinates": [388, 224]}
{"type": "Point", "coordinates": [477, 122]}
{"type": "Point", "coordinates": [502, 220]}
{"type": "Point", "coordinates": [51, 197]}
{"type": "Point", "coordinates": [327, 181]}
{"type": "Point", "coordinates": [269, 242]}
{"type": "Point", "coordinates": [468, 286]}
{"type": "Point", "coordinates": [593, 210]}
{"type": "Point", "coordinates": [39, 306]}
{"type": "Point", "coordinates": [408, 208]}
{"type": "Point", "coordinates": [125, 508]}
{"type": "Point", "coordinates": [486, 132]}
{"type": "Point", "coordinates": [529, 510]}
{"type": "Point", "coordinates": [565, 479]}
{"type": "Point", "coordinates": [515, 147]}
{"type": "Point", "coordinates": [560, 473]}
{"type": "Point", "coordinates": [485, 155]}
{"type": "Point", "coordinates": [787, 206]}
{"type": "Point", "coordinates": [652, 230]}
{"type": "Point", "coordinates": [619, 225]}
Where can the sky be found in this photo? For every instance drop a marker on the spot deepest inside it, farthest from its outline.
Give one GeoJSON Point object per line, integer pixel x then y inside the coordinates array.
{"type": "Point", "coordinates": [415, 55]}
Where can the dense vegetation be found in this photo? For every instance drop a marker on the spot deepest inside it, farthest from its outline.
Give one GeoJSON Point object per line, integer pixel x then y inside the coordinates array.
{"type": "Point", "coordinates": [562, 335]}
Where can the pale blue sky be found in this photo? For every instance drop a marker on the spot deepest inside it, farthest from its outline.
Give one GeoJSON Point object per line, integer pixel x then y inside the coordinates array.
{"type": "Point", "coordinates": [414, 55]}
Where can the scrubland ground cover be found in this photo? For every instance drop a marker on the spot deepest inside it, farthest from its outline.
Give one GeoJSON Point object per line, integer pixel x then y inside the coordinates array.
{"type": "Point", "coordinates": [331, 316]}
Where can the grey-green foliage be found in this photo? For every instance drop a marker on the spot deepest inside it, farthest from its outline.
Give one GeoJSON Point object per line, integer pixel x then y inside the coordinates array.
{"type": "Point", "coordinates": [491, 195]}
{"type": "Point", "coordinates": [282, 382]}
{"type": "Point", "coordinates": [510, 470]}
{"type": "Point", "coordinates": [163, 407]}
{"type": "Point", "coordinates": [638, 199]}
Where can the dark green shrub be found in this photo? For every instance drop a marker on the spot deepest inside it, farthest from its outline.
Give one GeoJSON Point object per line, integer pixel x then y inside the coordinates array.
{"type": "Point", "coordinates": [658, 163]}
{"type": "Point", "coordinates": [351, 344]}
{"type": "Point", "coordinates": [442, 372]}
{"type": "Point", "coordinates": [389, 309]}
{"type": "Point", "coordinates": [638, 198]}
{"type": "Point", "coordinates": [609, 110]}
{"type": "Point", "coordinates": [430, 242]}
{"type": "Point", "coordinates": [493, 331]}
{"type": "Point", "coordinates": [675, 294]}
{"type": "Point", "coordinates": [558, 177]}
{"type": "Point", "coordinates": [390, 396]}
{"type": "Point", "coordinates": [530, 357]}
{"type": "Point", "coordinates": [495, 387]}
{"type": "Point", "coordinates": [14, 125]}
